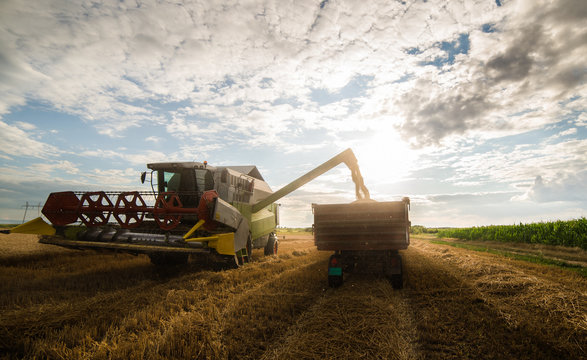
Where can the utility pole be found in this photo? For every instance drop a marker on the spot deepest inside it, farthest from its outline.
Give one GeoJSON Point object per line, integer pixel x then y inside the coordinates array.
{"type": "Point", "coordinates": [26, 207]}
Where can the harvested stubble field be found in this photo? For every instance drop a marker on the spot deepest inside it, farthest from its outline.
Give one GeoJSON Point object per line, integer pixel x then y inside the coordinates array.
{"type": "Point", "coordinates": [456, 303]}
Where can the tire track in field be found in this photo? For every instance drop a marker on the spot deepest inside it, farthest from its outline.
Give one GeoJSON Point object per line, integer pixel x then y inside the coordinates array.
{"type": "Point", "coordinates": [145, 317]}
{"type": "Point", "coordinates": [256, 318]}
{"type": "Point", "coordinates": [365, 318]}
{"type": "Point", "coordinates": [231, 315]}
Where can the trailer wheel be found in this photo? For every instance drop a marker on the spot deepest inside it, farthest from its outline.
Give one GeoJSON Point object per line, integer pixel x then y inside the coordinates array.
{"type": "Point", "coordinates": [272, 245]}
{"type": "Point", "coordinates": [334, 281]}
{"type": "Point", "coordinates": [397, 281]}
{"type": "Point", "coordinates": [393, 269]}
{"type": "Point", "coordinates": [335, 271]}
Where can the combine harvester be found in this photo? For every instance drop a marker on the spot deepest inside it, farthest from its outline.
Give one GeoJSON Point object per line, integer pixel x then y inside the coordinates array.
{"type": "Point", "coordinates": [194, 208]}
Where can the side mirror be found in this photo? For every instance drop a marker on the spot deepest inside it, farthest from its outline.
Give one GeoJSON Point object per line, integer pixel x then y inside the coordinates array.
{"type": "Point", "coordinates": [143, 177]}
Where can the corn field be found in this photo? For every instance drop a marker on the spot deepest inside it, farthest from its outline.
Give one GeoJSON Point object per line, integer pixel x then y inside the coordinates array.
{"type": "Point", "coordinates": [566, 233]}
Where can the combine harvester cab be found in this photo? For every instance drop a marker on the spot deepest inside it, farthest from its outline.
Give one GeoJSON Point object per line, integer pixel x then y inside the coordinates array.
{"type": "Point", "coordinates": [364, 233]}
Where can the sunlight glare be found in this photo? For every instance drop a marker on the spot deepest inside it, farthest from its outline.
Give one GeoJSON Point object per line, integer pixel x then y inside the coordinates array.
{"type": "Point", "coordinates": [384, 158]}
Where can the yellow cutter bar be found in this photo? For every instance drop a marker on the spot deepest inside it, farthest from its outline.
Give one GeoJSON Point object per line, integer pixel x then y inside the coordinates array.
{"type": "Point", "coordinates": [223, 243]}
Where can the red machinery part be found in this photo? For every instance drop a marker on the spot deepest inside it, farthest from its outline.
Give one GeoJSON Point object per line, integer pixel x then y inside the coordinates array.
{"type": "Point", "coordinates": [167, 210]}
{"type": "Point", "coordinates": [61, 208]}
{"type": "Point", "coordinates": [95, 208]}
{"type": "Point", "coordinates": [130, 209]}
{"type": "Point", "coordinates": [205, 209]}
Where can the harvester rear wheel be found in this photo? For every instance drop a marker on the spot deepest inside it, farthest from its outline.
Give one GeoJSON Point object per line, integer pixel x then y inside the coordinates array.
{"type": "Point", "coordinates": [272, 245]}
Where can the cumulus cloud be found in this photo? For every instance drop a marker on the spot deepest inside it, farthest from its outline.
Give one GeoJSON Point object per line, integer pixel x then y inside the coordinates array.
{"type": "Point", "coordinates": [564, 187]}
{"type": "Point", "coordinates": [535, 53]}
{"type": "Point", "coordinates": [114, 63]}
{"type": "Point", "coordinates": [568, 132]}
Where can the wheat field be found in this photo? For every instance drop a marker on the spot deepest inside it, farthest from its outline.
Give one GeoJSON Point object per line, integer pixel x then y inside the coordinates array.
{"type": "Point", "coordinates": [57, 303]}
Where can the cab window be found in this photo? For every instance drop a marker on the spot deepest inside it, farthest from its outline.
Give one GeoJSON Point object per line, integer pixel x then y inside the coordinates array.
{"type": "Point", "coordinates": [168, 181]}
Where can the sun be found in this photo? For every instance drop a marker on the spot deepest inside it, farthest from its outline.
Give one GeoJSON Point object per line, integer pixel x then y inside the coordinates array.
{"type": "Point", "coordinates": [384, 158]}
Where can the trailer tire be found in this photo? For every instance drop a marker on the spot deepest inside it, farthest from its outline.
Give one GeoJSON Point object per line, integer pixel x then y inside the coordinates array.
{"type": "Point", "coordinates": [272, 245]}
{"type": "Point", "coordinates": [334, 281]}
{"type": "Point", "coordinates": [397, 281]}
{"type": "Point", "coordinates": [335, 270]}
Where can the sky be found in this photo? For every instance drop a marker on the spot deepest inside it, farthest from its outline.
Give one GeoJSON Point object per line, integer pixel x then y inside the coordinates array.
{"type": "Point", "coordinates": [476, 110]}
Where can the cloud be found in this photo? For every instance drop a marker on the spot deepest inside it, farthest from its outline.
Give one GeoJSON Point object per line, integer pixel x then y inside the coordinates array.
{"type": "Point", "coordinates": [521, 163]}
{"type": "Point", "coordinates": [54, 168]}
{"type": "Point", "coordinates": [143, 158]}
{"type": "Point", "coordinates": [18, 140]}
{"type": "Point", "coordinates": [564, 187]}
{"type": "Point", "coordinates": [16, 74]}
{"type": "Point", "coordinates": [470, 199]}
{"type": "Point", "coordinates": [433, 115]}
{"type": "Point", "coordinates": [233, 63]}
{"type": "Point", "coordinates": [114, 178]}
{"type": "Point", "coordinates": [515, 63]}
{"type": "Point", "coordinates": [239, 54]}
{"type": "Point", "coordinates": [536, 54]}
{"type": "Point", "coordinates": [571, 131]}
{"type": "Point", "coordinates": [449, 77]}
{"type": "Point", "coordinates": [154, 139]}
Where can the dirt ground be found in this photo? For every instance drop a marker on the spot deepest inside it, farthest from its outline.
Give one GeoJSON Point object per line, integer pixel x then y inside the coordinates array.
{"type": "Point", "coordinates": [456, 303]}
